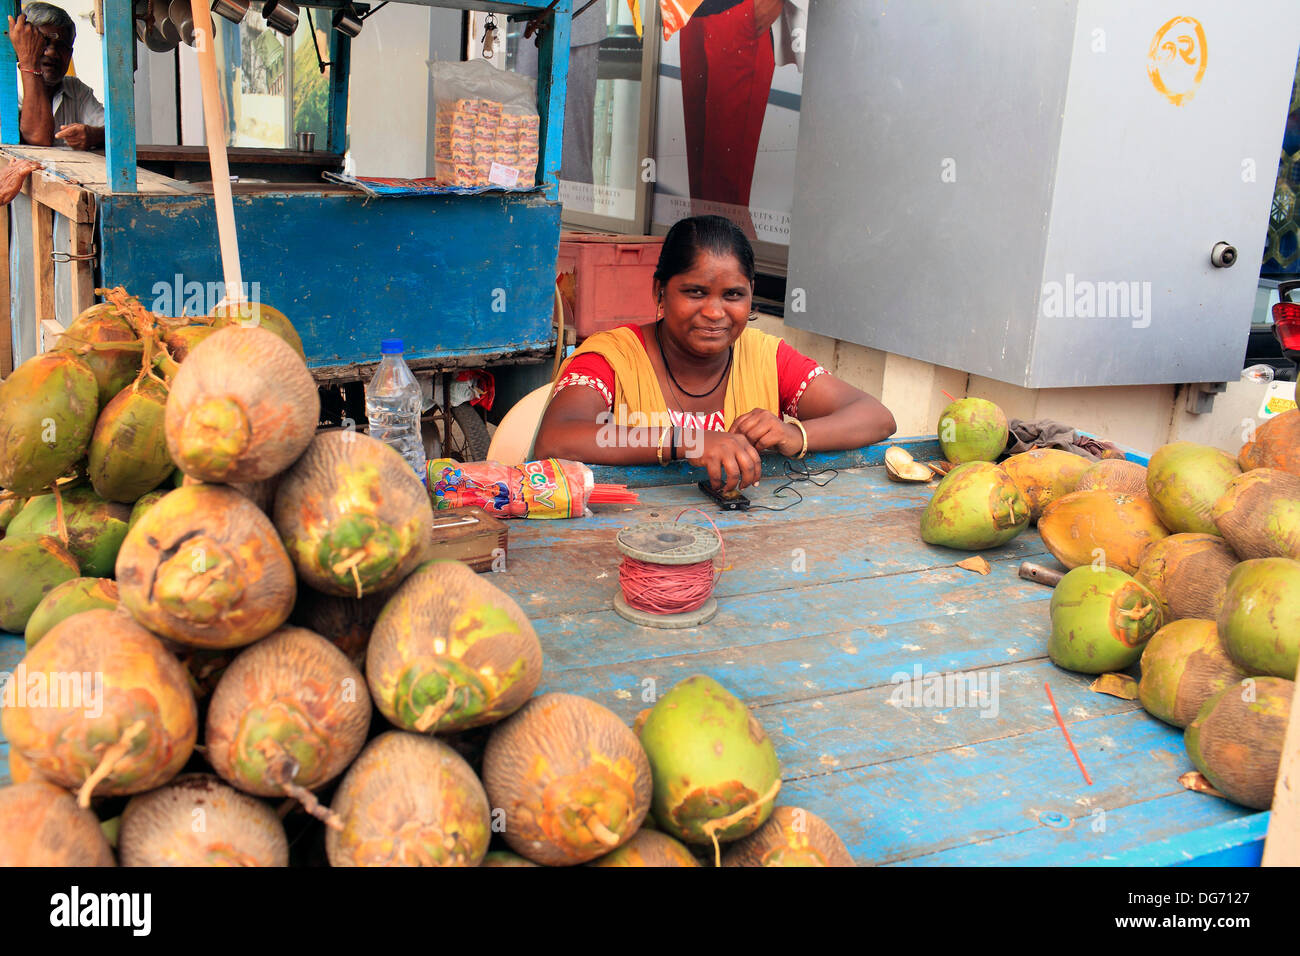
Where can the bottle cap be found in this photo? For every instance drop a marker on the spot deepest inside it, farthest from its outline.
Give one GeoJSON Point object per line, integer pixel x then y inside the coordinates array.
{"type": "Point", "coordinates": [390, 347]}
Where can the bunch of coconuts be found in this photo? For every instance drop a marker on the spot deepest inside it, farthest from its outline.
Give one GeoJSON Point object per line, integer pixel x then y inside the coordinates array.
{"type": "Point", "coordinates": [1190, 564]}
{"type": "Point", "coordinates": [277, 653]}
{"type": "Point", "coordinates": [1192, 568]}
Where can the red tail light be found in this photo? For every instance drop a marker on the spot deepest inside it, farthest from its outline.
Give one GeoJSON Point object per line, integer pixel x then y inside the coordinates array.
{"type": "Point", "coordinates": [1286, 324]}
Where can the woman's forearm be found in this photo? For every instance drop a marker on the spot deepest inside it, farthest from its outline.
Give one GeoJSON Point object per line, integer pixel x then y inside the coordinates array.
{"type": "Point", "coordinates": [855, 425]}
{"type": "Point", "coordinates": [611, 444]}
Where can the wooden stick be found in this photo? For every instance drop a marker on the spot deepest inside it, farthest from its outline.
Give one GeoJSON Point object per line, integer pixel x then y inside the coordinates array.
{"type": "Point", "coordinates": [1282, 845]}
{"type": "Point", "coordinates": [214, 124]}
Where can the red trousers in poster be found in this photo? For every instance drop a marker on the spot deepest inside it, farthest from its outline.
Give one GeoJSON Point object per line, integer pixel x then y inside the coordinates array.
{"type": "Point", "coordinates": [726, 77]}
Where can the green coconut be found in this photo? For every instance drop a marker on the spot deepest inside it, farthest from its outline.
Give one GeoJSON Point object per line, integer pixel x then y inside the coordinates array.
{"type": "Point", "coordinates": [505, 858]}
{"type": "Point", "coordinates": [180, 341]}
{"type": "Point", "coordinates": [258, 314]}
{"type": "Point", "coordinates": [31, 566]}
{"type": "Point", "coordinates": [976, 506]}
{"type": "Point", "coordinates": [47, 413]}
{"type": "Point", "coordinates": [9, 509]}
{"type": "Point", "coordinates": [972, 429]}
{"type": "Point", "coordinates": [1184, 480]}
{"type": "Point", "coordinates": [93, 336]}
{"type": "Point", "coordinates": [451, 651]}
{"type": "Point", "coordinates": [353, 515]}
{"type": "Point", "coordinates": [69, 598]}
{"type": "Point", "coordinates": [1259, 514]}
{"type": "Point", "coordinates": [1183, 666]}
{"type": "Point", "coordinates": [144, 503]}
{"type": "Point", "coordinates": [95, 527]}
{"type": "Point", "coordinates": [1260, 618]}
{"type": "Point", "coordinates": [128, 450]}
{"type": "Point", "coordinates": [1101, 620]}
{"type": "Point", "coordinates": [1237, 738]}
{"type": "Point", "coordinates": [715, 770]}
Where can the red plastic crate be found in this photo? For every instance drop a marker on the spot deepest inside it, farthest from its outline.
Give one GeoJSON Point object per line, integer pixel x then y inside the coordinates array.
{"type": "Point", "coordinates": [607, 280]}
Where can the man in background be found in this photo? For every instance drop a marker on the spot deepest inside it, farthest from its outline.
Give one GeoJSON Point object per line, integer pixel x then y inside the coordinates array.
{"type": "Point", "coordinates": [56, 109]}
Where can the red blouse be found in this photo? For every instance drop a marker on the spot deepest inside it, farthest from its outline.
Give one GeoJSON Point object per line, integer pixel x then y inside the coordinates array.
{"type": "Point", "coordinates": [793, 373]}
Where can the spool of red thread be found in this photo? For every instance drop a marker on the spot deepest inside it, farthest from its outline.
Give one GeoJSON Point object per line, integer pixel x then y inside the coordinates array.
{"type": "Point", "coordinates": [667, 574]}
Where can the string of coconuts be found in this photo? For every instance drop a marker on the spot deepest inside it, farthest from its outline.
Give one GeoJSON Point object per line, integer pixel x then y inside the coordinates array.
{"type": "Point", "coordinates": [1188, 566]}
{"type": "Point", "coordinates": [273, 651]}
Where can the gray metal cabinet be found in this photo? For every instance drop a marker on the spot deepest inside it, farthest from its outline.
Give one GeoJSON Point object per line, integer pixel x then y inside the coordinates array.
{"type": "Point", "coordinates": [1031, 191]}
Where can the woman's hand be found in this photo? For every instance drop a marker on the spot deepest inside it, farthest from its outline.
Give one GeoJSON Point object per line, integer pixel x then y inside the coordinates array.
{"type": "Point", "coordinates": [766, 432]}
{"type": "Point", "coordinates": [720, 452]}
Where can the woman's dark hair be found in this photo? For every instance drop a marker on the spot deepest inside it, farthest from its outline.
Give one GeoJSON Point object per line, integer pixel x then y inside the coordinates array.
{"type": "Point", "coordinates": [689, 237]}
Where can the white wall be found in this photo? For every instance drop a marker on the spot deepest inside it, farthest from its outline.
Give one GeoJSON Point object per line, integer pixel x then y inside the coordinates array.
{"type": "Point", "coordinates": [389, 93]}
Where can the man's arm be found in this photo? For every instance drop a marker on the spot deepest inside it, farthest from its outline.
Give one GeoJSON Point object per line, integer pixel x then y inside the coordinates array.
{"type": "Point", "coordinates": [36, 121]}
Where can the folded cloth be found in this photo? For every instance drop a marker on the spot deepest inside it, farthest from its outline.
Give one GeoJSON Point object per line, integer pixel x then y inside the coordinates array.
{"type": "Point", "coordinates": [1046, 433]}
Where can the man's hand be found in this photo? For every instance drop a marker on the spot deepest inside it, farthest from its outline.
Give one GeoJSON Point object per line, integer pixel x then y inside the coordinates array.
{"type": "Point", "coordinates": [80, 136]}
{"type": "Point", "coordinates": [766, 13]}
{"type": "Point", "coordinates": [29, 42]}
{"type": "Point", "coordinates": [765, 431]}
{"type": "Point", "coordinates": [13, 177]}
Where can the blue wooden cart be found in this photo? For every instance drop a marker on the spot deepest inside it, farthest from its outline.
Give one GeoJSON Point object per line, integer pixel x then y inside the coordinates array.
{"type": "Point", "coordinates": [464, 280]}
{"type": "Point", "coordinates": [828, 614]}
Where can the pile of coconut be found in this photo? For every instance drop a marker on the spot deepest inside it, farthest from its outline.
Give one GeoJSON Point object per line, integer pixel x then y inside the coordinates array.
{"type": "Point", "coordinates": [1188, 566]}
{"type": "Point", "coordinates": [275, 655]}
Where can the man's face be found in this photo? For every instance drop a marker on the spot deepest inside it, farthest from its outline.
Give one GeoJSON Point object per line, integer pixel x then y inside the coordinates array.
{"type": "Point", "coordinates": [56, 55]}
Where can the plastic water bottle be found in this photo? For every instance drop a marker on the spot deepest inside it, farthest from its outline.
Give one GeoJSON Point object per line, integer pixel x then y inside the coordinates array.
{"type": "Point", "coordinates": [393, 404]}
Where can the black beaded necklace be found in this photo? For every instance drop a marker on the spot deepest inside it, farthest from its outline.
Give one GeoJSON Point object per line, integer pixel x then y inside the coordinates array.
{"type": "Point", "coordinates": [673, 378]}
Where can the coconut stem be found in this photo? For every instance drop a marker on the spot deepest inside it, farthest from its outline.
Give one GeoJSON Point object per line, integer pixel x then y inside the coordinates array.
{"type": "Point", "coordinates": [601, 832]}
{"type": "Point", "coordinates": [281, 769]}
{"type": "Point", "coordinates": [1136, 613]}
{"type": "Point", "coordinates": [712, 827]}
{"type": "Point", "coordinates": [350, 565]}
{"type": "Point", "coordinates": [112, 757]}
{"type": "Point", "coordinates": [434, 712]}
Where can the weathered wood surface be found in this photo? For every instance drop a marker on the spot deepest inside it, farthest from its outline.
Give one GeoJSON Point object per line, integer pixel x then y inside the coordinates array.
{"type": "Point", "coordinates": [826, 655]}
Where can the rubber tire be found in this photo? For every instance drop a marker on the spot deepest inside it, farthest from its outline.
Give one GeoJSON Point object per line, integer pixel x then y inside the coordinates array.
{"type": "Point", "coordinates": [474, 429]}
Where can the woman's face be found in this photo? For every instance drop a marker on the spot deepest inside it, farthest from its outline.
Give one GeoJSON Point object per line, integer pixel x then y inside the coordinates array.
{"type": "Point", "coordinates": [707, 307]}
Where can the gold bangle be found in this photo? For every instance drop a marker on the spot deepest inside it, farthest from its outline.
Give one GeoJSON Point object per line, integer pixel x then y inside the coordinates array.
{"type": "Point", "coordinates": [803, 451]}
{"type": "Point", "coordinates": [663, 433]}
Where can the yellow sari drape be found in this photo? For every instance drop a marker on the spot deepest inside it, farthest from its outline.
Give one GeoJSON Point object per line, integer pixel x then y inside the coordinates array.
{"type": "Point", "coordinates": [638, 399]}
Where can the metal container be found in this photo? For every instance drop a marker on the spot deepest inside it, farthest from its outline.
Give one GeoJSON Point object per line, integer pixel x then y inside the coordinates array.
{"type": "Point", "coordinates": [346, 23]}
{"type": "Point", "coordinates": [281, 16]}
{"type": "Point", "coordinates": [181, 15]}
{"type": "Point", "coordinates": [306, 141]}
{"type": "Point", "coordinates": [232, 10]}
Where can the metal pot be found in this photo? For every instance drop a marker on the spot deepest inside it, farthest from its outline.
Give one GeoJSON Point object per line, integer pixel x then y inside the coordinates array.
{"type": "Point", "coordinates": [181, 15]}
{"type": "Point", "coordinates": [281, 16]}
{"type": "Point", "coordinates": [346, 23]}
{"type": "Point", "coordinates": [232, 10]}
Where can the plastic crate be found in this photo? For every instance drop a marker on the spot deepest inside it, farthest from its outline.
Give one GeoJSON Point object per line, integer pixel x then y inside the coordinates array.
{"type": "Point", "coordinates": [606, 280]}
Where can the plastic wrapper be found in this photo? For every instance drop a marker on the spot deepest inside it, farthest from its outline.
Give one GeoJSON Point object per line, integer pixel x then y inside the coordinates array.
{"type": "Point", "coordinates": [551, 488]}
{"type": "Point", "coordinates": [485, 125]}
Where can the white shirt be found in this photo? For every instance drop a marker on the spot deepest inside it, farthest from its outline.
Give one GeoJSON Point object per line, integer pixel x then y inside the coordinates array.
{"type": "Point", "coordinates": [74, 102]}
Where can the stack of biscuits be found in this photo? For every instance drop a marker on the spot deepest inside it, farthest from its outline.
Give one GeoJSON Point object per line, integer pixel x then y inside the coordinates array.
{"type": "Point", "coordinates": [478, 143]}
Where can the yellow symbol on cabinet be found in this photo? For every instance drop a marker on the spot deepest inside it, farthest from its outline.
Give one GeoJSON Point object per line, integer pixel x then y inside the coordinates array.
{"type": "Point", "coordinates": [1176, 62]}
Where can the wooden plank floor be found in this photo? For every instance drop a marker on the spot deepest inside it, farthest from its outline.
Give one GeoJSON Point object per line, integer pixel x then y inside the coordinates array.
{"type": "Point", "coordinates": [825, 611]}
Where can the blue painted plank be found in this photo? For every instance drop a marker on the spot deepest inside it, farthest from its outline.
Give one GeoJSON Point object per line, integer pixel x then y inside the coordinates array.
{"type": "Point", "coordinates": [552, 81]}
{"type": "Point", "coordinates": [8, 78]}
{"type": "Point", "coordinates": [340, 53]}
{"type": "Point", "coordinates": [450, 275]}
{"type": "Point", "coordinates": [1135, 835]}
{"type": "Point", "coordinates": [119, 96]}
{"type": "Point", "coordinates": [914, 807]}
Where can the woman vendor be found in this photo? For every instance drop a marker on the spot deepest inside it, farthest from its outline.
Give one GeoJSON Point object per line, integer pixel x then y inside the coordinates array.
{"type": "Point", "coordinates": [698, 384]}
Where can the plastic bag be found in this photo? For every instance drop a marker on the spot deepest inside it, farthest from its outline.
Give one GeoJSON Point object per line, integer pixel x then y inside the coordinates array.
{"type": "Point", "coordinates": [552, 488]}
{"type": "Point", "coordinates": [486, 125]}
